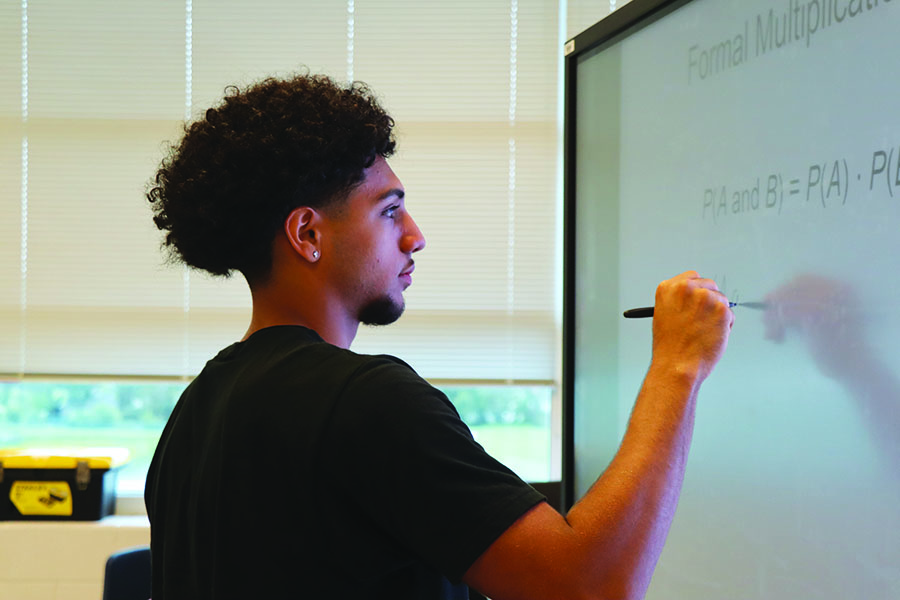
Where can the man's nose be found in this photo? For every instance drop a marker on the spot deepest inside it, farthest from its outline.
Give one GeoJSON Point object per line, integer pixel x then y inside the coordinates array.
{"type": "Point", "coordinates": [413, 240]}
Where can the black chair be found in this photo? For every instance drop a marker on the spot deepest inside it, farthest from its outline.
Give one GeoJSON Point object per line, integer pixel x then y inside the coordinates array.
{"type": "Point", "coordinates": [128, 575]}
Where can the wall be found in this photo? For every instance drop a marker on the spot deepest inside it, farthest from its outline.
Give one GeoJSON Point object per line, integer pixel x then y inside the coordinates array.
{"type": "Point", "coordinates": [63, 560]}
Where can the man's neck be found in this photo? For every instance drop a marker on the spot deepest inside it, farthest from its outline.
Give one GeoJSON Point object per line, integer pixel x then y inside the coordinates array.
{"type": "Point", "coordinates": [325, 319]}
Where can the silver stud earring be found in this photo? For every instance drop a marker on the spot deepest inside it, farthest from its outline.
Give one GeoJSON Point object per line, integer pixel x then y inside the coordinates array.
{"type": "Point", "coordinates": [316, 254]}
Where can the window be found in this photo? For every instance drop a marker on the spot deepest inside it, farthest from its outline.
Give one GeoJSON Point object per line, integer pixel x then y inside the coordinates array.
{"type": "Point", "coordinates": [514, 425]}
{"type": "Point", "coordinates": [75, 415]}
{"type": "Point", "coordinates": [90, 92]}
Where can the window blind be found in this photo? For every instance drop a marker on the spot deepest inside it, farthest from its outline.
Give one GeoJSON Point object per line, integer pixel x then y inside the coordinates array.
{"type": "Point", "coordinates": [91, 91]}
{"type": "Point", "coordinates": [581, 14]}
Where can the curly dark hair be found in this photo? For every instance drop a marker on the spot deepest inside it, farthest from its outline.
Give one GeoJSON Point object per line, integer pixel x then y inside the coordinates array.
{"type": "Point", "coordinates": [225, 190]}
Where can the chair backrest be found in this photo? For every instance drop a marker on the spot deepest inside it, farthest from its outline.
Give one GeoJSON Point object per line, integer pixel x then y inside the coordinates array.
{"type": "Point", "coordinates": [128, 575]}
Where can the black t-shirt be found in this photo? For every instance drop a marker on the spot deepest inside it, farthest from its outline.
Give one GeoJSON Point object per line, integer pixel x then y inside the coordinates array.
{"type": "Point", "coordinates": [291, 468]}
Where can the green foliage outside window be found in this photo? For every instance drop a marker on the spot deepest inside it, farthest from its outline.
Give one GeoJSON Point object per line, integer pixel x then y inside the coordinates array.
{"type": "Point", "coordinates": [107, 404]}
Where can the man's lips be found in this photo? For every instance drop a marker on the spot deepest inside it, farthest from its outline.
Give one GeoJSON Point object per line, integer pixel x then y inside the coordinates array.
{"type": "Point", "coordinates": [406, 274]}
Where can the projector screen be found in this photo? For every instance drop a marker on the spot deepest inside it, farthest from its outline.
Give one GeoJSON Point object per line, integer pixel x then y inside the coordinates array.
{"type": "Point", "coordinates": [759, 144]}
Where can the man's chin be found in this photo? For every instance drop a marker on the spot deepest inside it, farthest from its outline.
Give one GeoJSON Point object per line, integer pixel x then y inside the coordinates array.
{"type": "Point", "coordinates": [383, 311]}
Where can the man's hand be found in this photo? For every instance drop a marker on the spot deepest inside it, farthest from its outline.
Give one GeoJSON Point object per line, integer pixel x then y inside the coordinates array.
{"type": "Point", "coordinates": [691, 324]}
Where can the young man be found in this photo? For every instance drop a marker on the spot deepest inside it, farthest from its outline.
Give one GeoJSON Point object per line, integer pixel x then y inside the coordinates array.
{"type": "Point", "coordinates": [293, 467]}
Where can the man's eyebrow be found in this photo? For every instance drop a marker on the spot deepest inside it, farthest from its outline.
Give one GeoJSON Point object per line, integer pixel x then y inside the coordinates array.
{"type": "Point", "coordinates": [398, 192]}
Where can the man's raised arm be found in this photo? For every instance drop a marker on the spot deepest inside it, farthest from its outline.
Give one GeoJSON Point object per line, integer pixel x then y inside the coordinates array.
{"type": "Point", "coordinates": [608, 544]}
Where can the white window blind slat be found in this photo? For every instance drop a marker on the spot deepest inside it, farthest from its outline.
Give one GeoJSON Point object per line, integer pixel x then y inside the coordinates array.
{"type": "Point", "coordinates": [10, 61]}
{"type": "Point", "coordinates": [238, 42]}
{"type": "Point", "coordinates": [106, 59]}
{"type": "Point", "coordinates": [472, 85]}
{"type": "Point", "coordinates": [90, 241]}
{"type": "Point", "coordinates": [435, 61]}
{"type": "Point", "coordinates": [10, 250]}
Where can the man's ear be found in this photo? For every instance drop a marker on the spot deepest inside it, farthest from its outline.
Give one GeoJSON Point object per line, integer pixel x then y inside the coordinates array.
{"type": "Point", "coordinates": [303, 230]}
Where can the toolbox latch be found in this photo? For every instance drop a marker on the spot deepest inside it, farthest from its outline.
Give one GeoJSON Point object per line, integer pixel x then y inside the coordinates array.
{"type": "Point", "coordinates": [82, 475]}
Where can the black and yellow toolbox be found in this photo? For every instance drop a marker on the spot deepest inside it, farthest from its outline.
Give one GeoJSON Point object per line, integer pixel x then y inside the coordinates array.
{"type": "Point", "coordinates": [59, 484]}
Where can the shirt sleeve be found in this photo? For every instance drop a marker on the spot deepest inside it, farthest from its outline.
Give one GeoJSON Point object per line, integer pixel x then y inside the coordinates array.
{"type": "Point", "coordinates": [415, 470]}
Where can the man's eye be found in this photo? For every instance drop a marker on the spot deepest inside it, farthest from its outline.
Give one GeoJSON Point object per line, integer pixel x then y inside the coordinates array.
{"type": "Point", "coordinates": [391, 211]}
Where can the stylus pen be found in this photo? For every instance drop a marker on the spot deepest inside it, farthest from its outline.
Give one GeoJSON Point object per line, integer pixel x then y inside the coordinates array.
{"type": "Point", "coordinates": [647, 311]}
